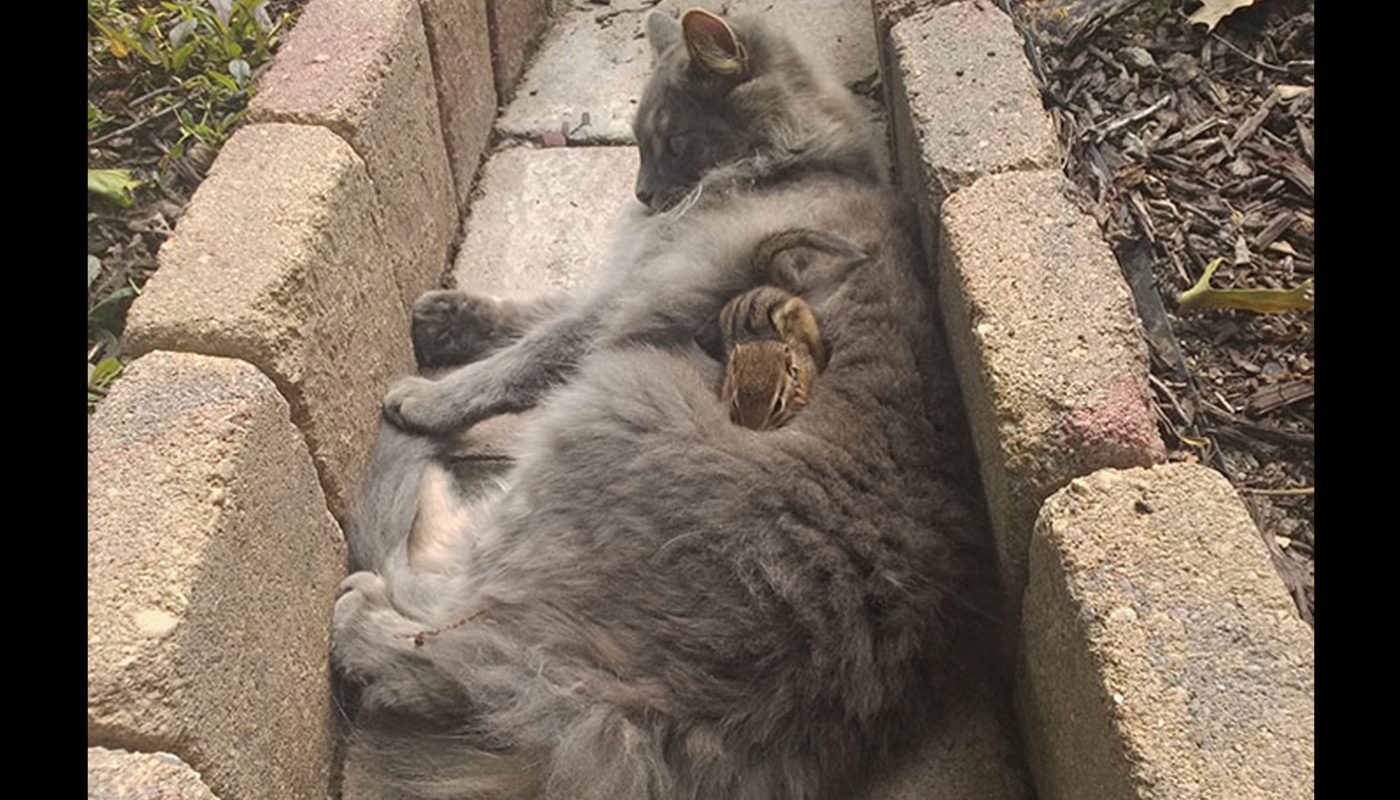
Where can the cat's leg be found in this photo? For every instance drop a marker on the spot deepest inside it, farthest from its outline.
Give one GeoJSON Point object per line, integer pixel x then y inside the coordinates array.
{"type": "Point", "coordinates": [453, 327]}
{"type": "Point", "coordinates": [376, 647]}
{"type": "Point", "coordinates": [513, 379]}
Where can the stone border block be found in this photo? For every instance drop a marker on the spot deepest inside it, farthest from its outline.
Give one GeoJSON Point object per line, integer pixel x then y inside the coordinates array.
{"type": "Point", "coordinates": [1048, 348]}
{"type": "Point", "coordinates": [1161, 656]}
{"type": "Point", "coordinates": [119, 775]}
{"type": "Point", "coordinates": [362, 68]}
{"type": "Point", "coordinates": [962, 100]}
{"type": "Point", "coordinates": [280, 260]}
{"type": "Point", "coordinates": [459, 38]}
{"type": "Point", "coordinates": [516, 28]}
{"type": "Point", "coordinates": [212, 570]}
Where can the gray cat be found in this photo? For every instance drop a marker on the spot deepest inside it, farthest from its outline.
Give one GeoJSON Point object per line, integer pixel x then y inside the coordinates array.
{"type": "Point", "coordinates": [656, 603]}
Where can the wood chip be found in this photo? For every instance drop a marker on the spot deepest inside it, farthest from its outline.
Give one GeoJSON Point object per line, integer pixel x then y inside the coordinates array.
{"type": "Point", "coordinates": [1277, 226]}
{"type": "Point", "coordinates": [1278, 395]}
{"type": "Point", "coordinates": [1256, 119]}
{"type": "Point", "coordinates": [1305, 137]}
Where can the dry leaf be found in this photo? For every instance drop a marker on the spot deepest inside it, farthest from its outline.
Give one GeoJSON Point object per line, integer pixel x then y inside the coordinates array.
{"type": "Point", "coordinates": [1212, 11]}
{"type": "Point", "coordinates": [1260, 301]}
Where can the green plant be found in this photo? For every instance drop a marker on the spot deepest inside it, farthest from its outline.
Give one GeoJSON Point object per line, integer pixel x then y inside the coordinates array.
{"type": "Point", "coordinates": [208, 49]}
{"type": "Point", "coordinates": [112, 184]}
{"type": "Point", "coordinates": [97, 117]}
{"type": "Point", "coordinates": [100, 376]}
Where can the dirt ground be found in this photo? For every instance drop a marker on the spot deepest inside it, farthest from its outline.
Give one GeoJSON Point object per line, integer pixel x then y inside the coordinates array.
{"type": "Point", "coordinates": [1191, 145]}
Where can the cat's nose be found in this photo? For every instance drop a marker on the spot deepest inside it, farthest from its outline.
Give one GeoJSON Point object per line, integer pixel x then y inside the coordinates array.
{"type": "Point", "coordinates": [645, 195]}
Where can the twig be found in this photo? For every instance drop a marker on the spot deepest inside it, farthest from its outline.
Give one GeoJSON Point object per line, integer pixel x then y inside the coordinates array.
{"type": "Point", "coordinates": [1246, 429]}
{"type": "Point", "coordinates": [137, 124]}
{"type": "Point", "coordinates": [1100, 134]}
{"type": "Point", "coordinates": [1300, 491]}
{"type": "Point", "coordinates": [421, 636]}
{"type": "Point", "coordinates": [151, 95]}
{"type": "Point", "coordinates": [1189, 419]}
{"type": "Point", "coordinates": [1247, 56]}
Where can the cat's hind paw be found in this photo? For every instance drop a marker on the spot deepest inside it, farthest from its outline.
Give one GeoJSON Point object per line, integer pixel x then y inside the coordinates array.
{"type": "Point", "coordinates": [366, 630]}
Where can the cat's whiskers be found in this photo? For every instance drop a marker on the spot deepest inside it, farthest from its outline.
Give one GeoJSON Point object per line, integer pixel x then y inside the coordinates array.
{"type": "Point", "coordinates": [688, 202]}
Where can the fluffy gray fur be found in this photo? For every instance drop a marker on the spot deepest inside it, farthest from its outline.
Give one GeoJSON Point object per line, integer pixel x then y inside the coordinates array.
{"type": "Point", "coordinates": [657, 603]}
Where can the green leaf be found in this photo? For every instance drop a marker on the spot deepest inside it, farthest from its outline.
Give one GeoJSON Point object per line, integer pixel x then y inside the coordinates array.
{"type": "Point", "coordinates": [94, 268]}
{"type": "Point", "coordinates": [240, 71]}
{"type": "Point", "coordinates": [148, 23]}
{"type": "Point", "coordinates": [113, 184]}
{"type": "Point", "coordinates": [182, 55]}
{"type": "Point", "coordinates": [111, 308]}
{"type": "Point", "coordinates": [181, 32]}
{"type": "Point", "coordinates": [225, 81]}
{"type": "Point", "coordinates": [105, 372]}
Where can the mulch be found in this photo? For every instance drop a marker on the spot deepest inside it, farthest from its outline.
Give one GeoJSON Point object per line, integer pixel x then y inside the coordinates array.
{"type": "Point", "coordinates": [1188, 146]}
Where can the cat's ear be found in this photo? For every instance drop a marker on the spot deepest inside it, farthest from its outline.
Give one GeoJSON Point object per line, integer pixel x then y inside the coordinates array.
{"type": "Point", "coordinates": [663, 30]}
{"type": "Point", "coordinates": [712, 44]}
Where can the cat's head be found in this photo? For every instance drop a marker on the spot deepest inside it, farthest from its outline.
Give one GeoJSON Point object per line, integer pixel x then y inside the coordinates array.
{"type": "Point", "coordinates": [736, 94]}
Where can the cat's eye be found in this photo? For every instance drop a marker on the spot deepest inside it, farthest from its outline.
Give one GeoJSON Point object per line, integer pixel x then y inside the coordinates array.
{"type": "Point", "coordinates": [676, 144]}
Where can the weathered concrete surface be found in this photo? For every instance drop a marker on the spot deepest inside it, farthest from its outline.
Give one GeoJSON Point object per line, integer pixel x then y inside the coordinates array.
{"type": "Point", "coordinates": [889, 12]}
{"type": "Point", "coordinates": [516, 26]}
{"type": "Point", "coordinates": [595, 60]}
{"type": "Point", "coordinates": [1048, 349]}
{"type": "Point", "coordinates": [119, 775]}
{"type": "Point", "coordinates": [460, 41]}
{"type": "Point", "coordinates": [280, 261]}
{"type": "Point", "coordinates": [969, 756]}
{"type": "Point", "coordinates": [963, 103]}
{"type": "Point", "coordinates": [1162, 658]}
{"type": "Point", "coordinates": [212, 568]}
{"type": "Point", "coordinates": [542, 217]}
{"type": "Point", "coordinates": [362, 69]}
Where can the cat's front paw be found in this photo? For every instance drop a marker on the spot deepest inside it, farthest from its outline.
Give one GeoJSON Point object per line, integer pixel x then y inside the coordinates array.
{"type": "Point", "coordinates": [413, 403]}
{"type": "Point", "coordinates": [451, 327]}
